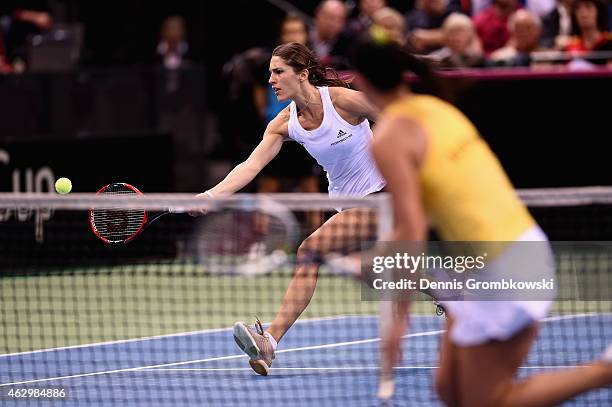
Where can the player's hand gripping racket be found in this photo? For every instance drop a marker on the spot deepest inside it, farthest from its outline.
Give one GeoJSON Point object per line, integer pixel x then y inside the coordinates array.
{"type": "Point", "coordinates": [116, 226]}
{"type": "Point", "coordinates": [247, 236]}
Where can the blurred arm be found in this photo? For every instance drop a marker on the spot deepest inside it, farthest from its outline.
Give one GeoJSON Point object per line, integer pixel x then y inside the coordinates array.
{"type": "Point", "coordinates": [398, 149]}
{"type": "Point", "coordinates": [265, 151]}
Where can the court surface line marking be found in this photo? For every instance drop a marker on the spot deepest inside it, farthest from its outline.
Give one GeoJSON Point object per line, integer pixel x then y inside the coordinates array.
{"type": "Point", "coordinates": [332, 345]}
{"type": "Point", "coordinates": [349, 368]}
{"type": "Point", "coordinates": [135, 369]}
{"type": "Point", "coordinates": [173, 335]}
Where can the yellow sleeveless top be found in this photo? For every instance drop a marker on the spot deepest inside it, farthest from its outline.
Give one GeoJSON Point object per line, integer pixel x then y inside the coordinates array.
{"type": "Point", "coordinates": [466, 192]}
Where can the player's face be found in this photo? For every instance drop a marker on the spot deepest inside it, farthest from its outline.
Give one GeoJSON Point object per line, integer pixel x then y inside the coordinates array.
{"type": "Point", "coordinates": [284, 81]}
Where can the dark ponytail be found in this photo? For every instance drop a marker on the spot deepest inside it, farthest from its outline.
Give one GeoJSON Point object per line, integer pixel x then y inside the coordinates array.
{"type": "Point", "coordinates": [385, 63]}
{"type": "Point", "coordinates": [299, 57]}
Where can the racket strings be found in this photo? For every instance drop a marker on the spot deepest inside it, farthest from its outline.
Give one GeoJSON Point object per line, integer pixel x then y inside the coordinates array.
{"type": "Point", "coordinates": [118, 225]}
{"type": "Point", "coordinates": [243, 242]}
{"type": "Point", "coordinates": [235, 232]}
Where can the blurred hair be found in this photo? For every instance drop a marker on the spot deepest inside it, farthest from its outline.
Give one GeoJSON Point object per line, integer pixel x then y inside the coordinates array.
{"type": "Point", "coordinates": [394, 15]}
{"type": "Point", "coordinates": [173, 19]}
{"type": "Point", "coordinates": [325, 2]}
{"type": "Point", "coordinates": [299, 57]}
{"type": "Point", "coordinates": [383, 63]}
{"type": "Point", "coordinates": [523, 13]}
{"type": "Point", "coordinates": [290, 17]}
{"type": "Point", "coordinates": [457, 20]}
{"type": "Point", "coordinates": [602, 14]}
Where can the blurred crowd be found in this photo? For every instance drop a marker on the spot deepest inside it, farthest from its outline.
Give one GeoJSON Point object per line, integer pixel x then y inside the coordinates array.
{"type": "Point", "coordinates": [472, 33]}
{"type": "Point", "coordinates": [450, 33]}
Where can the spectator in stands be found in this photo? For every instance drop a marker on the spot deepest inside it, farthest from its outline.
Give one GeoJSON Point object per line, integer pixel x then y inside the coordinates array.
{"type": "Point", "coordinates": [26, 18]}
{"type": "Point", "coordinates": [492, 24]}
{"type": "Point", "coordinates": [5, 67]}
{"type": "Point", "coordinates": [557, 26]}
{"type": "Point", "coordinates": [393, 22]}
{"type": "Point", "coordinates": [424, 25]}
{"type": "Point", "coordinates": [173, 47]}
{"type": "Point", "coordinates": [365, 18]}
{"type": "Point", "coordinates": [462, 48]}
{"type": "Point", "coordinates": [538, 7]}
{"type": "Point", "coordinates": [328, 41]}
{"type": "Point", "coordinates": [590, 18]}
{"type": "Point", "coordinates": [525, 28]}
{"type": "Point", "coordinates": [292, 29]}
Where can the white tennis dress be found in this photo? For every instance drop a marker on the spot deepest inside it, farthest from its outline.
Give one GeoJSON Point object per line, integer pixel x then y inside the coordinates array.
{"type": "Point", "coordinates": [342, 149]}
{"type": "Point", "coordinates": [478, 322]}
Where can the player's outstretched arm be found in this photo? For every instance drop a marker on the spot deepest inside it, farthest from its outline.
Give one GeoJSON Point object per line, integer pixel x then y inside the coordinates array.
{"type": "Point", "coordinates": [266, 150]}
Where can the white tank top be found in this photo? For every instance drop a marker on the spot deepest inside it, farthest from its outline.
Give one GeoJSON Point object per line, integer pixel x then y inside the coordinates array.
{"type": "Point", "coordinates": [343, 150]}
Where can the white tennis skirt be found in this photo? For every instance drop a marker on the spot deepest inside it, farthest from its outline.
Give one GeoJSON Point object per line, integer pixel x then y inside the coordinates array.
{"type": "Point", "coordinates": [478, 322]}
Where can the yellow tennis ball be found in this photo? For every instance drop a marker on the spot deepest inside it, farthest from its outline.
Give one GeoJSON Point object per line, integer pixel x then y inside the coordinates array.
{"type": "Point", "coordinates": [380, 36]}
{"type": "Point", "coordinates": [63, 186]}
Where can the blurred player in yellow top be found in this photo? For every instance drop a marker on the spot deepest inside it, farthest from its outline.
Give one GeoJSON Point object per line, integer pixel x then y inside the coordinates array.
{"type": "Point", "coordinates": [442, 174]}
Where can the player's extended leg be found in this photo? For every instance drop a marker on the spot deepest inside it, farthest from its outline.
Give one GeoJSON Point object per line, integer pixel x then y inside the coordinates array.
{"type": "Point", "coordinates": [310, 183]}
{"type": "Point", "coordinates": [486, 376]}
{"type": "Point", "coordinates": [344, 231]}
{"type": "Point", "coordinates": [447, 373]}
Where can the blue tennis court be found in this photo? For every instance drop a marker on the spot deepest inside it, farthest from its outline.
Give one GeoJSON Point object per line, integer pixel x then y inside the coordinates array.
{"type": "Point", "coordinates": [326, 361]}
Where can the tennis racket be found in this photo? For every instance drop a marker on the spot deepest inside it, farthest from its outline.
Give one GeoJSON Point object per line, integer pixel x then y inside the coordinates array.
{"type": "Point", "coordinates": [120, 226]}
{"type": "Point", "coordinates": [250, 238]}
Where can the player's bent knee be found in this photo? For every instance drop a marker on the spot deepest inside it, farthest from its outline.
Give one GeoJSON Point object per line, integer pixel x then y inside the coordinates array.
{"type": "Point", "coordinates": [308, 258]}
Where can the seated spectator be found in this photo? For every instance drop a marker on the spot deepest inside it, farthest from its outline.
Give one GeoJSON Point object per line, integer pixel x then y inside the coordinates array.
{"type": "Point", "coordinates": [538, 7]}
{"type": "Point", "coordinates": [5, 67]}
{"type": "Point", "coordinates": [424, 25]}
{"type": "Point", "coordinates": [557, 26]}
{"type": "Point", "coordinates": [462, 47]}
{"type": "Point", "coordinates": [393, 22]}
{"type": "Point", "coordinates": [525, 28]}
{"type": "Point", "coordinates": [492, 24]}
{"type": "Point", "coordinates": [26, 19]}
{"type": "Point", "coordinates": [173, 47]}
{"type": "Point", "coordinates": [590, 19]}
{"type": "Point", "coordinates": [328, 41]}
{"type": "Point", "coordinates": [364, 19]}
{"type": "Point", "coordinates": [292, 29]}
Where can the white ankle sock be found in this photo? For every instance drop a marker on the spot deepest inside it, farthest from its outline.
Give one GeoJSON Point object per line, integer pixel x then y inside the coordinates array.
{"type": "Point", "coordinates": [607, 356]}
{"type": "Point", "coordinates": [272, 341]}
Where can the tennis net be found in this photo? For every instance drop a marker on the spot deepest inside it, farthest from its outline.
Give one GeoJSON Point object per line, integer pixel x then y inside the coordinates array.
{"type": "Point", "coordinates": [150, 322]}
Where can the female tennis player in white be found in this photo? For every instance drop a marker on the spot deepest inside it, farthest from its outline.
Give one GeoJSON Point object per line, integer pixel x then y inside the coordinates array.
{"type": "Point", "coordinates": [330, 121]}
{"type": "Point", "coordinates": [442, 174]}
